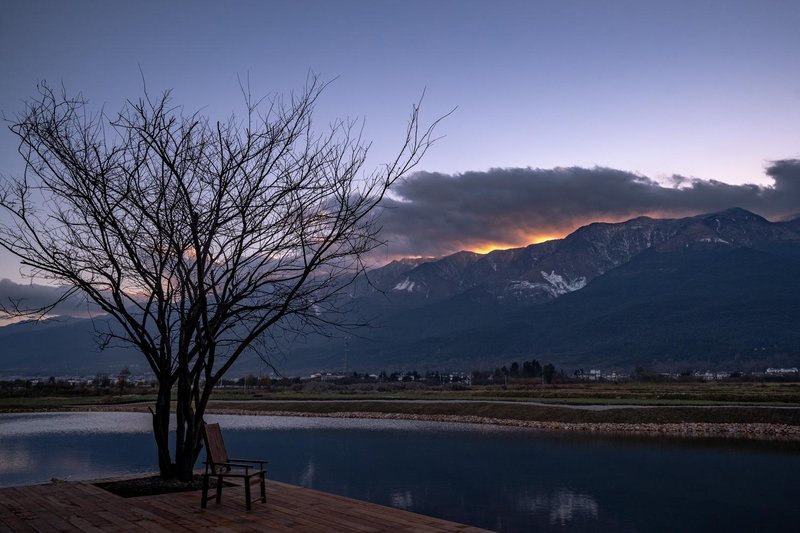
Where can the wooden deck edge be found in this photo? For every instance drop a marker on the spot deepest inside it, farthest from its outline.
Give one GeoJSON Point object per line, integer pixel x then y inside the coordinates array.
{"type": "Point", "coordinates": [82, 506]}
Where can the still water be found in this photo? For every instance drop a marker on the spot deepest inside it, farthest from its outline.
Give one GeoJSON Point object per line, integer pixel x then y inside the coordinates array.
{"type": "Point", "coordinates": [497, 478]}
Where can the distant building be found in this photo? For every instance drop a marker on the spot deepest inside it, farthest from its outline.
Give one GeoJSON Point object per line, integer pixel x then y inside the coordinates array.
{"type": "Point", "coordinates": [782, 371]}
{"type": "Point", "coordinates": [332, 377]}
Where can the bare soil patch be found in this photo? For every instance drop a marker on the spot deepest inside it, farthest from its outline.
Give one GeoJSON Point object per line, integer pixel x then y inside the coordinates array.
{"type": "Point", "coordinates": [154, 485]}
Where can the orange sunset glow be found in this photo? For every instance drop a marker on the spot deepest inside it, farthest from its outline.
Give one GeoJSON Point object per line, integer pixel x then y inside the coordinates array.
{"type": "Point", "coordinates": [560, 233]}
{"type": "Point", "coordinates": [532, 239]}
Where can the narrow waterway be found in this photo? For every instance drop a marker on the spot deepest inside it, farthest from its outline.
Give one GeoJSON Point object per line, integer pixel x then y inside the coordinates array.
{"type": "Point", "coordinates": [499, 478]}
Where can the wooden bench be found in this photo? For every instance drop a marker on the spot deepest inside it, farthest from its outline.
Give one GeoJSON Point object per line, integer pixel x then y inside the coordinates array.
{"type": "Point", "coordinates": [219, 465]}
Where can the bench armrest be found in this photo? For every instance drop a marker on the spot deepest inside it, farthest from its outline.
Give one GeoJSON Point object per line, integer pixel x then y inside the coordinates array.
{"type": "Point", "coordinates": [235, 463]}
{"type": "Point", "coordinates": [250, 461]}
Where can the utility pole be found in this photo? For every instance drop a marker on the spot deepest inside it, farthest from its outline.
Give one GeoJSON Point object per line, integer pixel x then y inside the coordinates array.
{"type": "Point", "coordinates": [346, 352]}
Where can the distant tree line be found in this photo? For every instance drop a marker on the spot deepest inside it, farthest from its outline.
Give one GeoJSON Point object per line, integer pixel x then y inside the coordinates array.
{"type": "Point", "coordinates": [530, 370]}
{"type": "Point", "coordinates": [100, 384]}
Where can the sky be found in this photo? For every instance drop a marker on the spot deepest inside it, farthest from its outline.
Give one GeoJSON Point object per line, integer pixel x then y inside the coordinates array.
{"type": "Point", "coordinates": [566, 111]}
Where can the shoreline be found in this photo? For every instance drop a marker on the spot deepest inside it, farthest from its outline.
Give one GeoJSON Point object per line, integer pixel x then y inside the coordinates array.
{"type": "Point", "coordinates": [728, 430]}
{"type": "Point", "coordinates": [744, 431]}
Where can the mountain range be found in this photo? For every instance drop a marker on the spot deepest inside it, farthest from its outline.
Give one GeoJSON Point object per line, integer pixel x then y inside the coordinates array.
{"type": "Point", "coordinates": [711, 291]}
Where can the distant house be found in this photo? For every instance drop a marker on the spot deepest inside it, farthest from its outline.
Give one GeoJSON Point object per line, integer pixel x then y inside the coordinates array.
{"type": "Point", "coordinates": [782, 371]}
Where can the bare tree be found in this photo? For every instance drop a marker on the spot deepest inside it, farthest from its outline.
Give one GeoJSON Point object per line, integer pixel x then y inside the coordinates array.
{"type": "Point", "coordinates": [196, 237]}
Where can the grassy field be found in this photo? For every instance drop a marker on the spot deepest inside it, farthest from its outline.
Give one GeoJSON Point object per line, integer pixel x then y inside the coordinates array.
{"type": "Point", "coordinates": [787, 394]}
{"type": "Point", "coordinates": [660, 415]}
{"type": "Point", "coordinates": [36, 403]}
{"type": "Point", "coordinates": [777, 403]}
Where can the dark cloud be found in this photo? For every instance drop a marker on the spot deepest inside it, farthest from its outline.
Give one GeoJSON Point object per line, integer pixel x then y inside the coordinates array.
{"type": "Point", "coordinates": [434, 214]}
{"type": "Point", "coordinates": [786, 174]}
{"type": "Point", "coordinates": [31, 297]}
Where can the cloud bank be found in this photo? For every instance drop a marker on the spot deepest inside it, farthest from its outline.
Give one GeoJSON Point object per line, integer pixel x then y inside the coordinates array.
{"type": "Point", "coordinates": [31, 297]}
{"type": "Point", "coordinates": [434, 214]}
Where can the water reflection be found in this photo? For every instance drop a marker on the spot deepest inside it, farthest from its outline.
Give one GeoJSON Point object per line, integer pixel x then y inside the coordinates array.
{"type": "Point", "coordinates": [498, 478]}
{"type": "Point", "coordinates": [34, 448]}
{"type": "Point", "coordinates": [561, 506]}
{"type": "Point", "coordinates": [402, 499]}
{"type": "Point", "coordinates": [307, 475]}
{"type": "Point", "coordinates": [33, 424]}
{"type": "Point", "coordinates": [245, 422]}
{"type": "Point", "coordinates": [14, 458]}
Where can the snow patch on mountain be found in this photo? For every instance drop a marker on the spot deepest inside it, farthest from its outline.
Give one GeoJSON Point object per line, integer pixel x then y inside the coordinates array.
{"type": "Point", "coordinates": [555, 285]}
{"type": "Point", "coordinates": [523, 288]}
{"type": "Point", "coordinates": [562, 286]}
{"type": "Point", "coordinates": [521, 285]}
{"type": "Point", "coordinates": [713, 239]}
{"type": "Point", "coordinates": [405, 285]}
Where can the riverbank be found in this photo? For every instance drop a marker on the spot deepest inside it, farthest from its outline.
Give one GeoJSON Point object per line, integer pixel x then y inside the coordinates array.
{"type": "Point", "coordinates": [756, 431]}
{"type": "Point", "coordinates": [752, 423]}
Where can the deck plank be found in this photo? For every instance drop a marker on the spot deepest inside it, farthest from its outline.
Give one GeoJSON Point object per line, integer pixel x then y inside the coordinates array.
{"type": "Point", "coordinates": [81, 506]}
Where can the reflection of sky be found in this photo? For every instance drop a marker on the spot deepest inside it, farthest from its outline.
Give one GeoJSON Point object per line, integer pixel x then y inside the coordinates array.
{"type": "Point", "coordinates": [708, 89]}
{"type": "Point", "coordinates": [86, 423]}
{"type": "Point", "coordinates": [37, 447]}
{"type": "Point", "coordinates": [14, 458]}
{"type": "Point", "coordinates": [243, 422]}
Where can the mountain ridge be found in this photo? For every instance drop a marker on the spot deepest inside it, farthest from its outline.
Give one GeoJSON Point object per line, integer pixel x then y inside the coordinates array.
{"type": "Point", "coordinates": [582, 255]}
{"type": "Point", "coordinates": [715, 288]}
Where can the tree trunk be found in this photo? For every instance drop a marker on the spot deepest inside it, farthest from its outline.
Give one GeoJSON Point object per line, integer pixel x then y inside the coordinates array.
{"type": "Point", "coordinates": [187, 437]}
{"type": "Point", "coordinates": [187, 433]}
{"type": "Point", "coordinates": [184, 461]}
{"type": "Point", "coordinates": [161, 428]}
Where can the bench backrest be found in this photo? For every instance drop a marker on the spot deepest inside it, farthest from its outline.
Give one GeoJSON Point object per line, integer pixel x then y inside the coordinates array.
{"type": "Point", "coordinates": [215, 446]}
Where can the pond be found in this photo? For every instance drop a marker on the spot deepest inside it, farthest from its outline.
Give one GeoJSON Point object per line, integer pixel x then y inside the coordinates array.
{"type": "Point", "coordinates": [498, 478]}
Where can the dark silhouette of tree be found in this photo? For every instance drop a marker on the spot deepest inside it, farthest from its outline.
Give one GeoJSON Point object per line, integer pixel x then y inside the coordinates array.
{"type": "Point", "coordinates": [198, 239]}
{"type": "Point", "coordinates": [532, 369]}
{"type": "Point", "coordinates": [548, 372]}
{"type": "Point", "coordinates": [122, 378]}
{"type": "Point", "coordinates": [101, 380]}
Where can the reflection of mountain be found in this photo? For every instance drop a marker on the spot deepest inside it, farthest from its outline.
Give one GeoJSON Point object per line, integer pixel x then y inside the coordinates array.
{"type": "Point", "coordinates": [709, 291]}
{"type": "Point", "coordinates": [307, 474]}
{"type": "Point", "coordinates": [402, 499]}
{"type": "Point", "coordinates": [562, 506]}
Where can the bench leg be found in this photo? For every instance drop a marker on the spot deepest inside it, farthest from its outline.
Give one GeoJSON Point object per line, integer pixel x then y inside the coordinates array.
{"type": "Point", "coordinates": [247, 502]}
{"type": "Point", "coordinates": [204, 499]}
{"type": "Point", "coordinates": [219, 489]}
{"type": "Point", "coordinates": [263, 488]}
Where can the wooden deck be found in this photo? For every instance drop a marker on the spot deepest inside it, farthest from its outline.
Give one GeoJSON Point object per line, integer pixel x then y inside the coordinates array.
{"type": "Point", "coordinates": [80, 506]}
